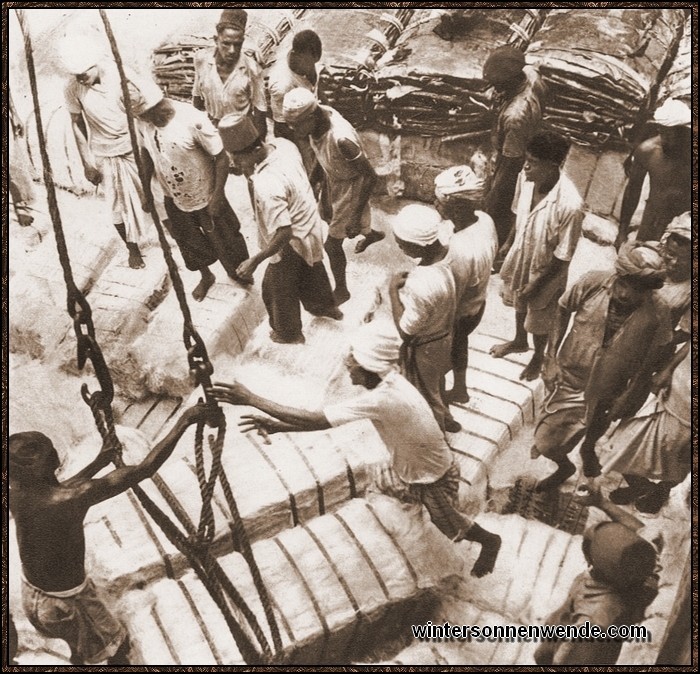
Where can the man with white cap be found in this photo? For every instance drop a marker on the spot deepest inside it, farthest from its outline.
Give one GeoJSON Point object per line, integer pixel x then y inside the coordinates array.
{"type": "Point", "coordinates": [423, 303]}
{"type": "Point", "coordinates": [422, 467]}
{"type": "Point", "coordinates": [94, 100]}
{"type": "Point", "coordinates": [473, 247]}
{"type": "Point", "coordinates": [667, 160]}
{"type": "Point", "coordinates": [350, 177]}
{"type": "Point", "coordinates": [227, 78]}
{"type": "Point", "coordinates": [290, 229]}
{"type": "Point", "coordinates": [676, 250]}
{"type": "Point", "coordinates": [184, 151]}
{"type": "Point", "coordinates": [596, 372]}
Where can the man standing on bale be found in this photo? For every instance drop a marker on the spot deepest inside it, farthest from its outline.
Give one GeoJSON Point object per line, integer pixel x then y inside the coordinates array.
{"type": "Point", "coordinates": [666, 159]}
{"type": "Point", "coordinates": [548, 216]}
{"type": "Point", "coordinates": [94, 100]}
{"type": "Point", "coordinates": [289, 227]}
{"type": "Point", "coordinates": [59, 598]}
{"type": "Point", "coordinates": [184, 150]}
{"type": "Point", "coordinates": [227, 80]}
{"type": "Point", "coordinates": [473, 247]}
{"type": "Point", "coordinates": [423, 304]}
{"type": "Point", "coordinates": [519, 104]}
{"type": "Point", "coordinates": [422, 468]}
{"type": "Point", "coordinates": [600, 363]}
{"type": "Point", "coordinates": [350, 177]}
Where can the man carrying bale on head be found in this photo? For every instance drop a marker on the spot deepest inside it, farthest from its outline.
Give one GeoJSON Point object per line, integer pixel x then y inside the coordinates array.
{"type": "Point", "coordinates": [519, 104]}
{"type": "Point", "coordinates": [350, 177]}
{"type": "Point", "coordinates": [59, 599]}
{"type": "Point", "coordinates": [666, 159]}
{"type": "Point", "coordinates": [184, 151]}
{"type": "Point", "coordinates": [548, 216]}
{"type": "Point", "coordinates": [422, 468]}
{"type": "Point", "coordinates": [227, 80]}
{"type": "Point", "coordinates": [94, 100]}
{"type": "Point", "coordinates": [289, 226]}
{"type": "Point", "coordinates": [473, 247]}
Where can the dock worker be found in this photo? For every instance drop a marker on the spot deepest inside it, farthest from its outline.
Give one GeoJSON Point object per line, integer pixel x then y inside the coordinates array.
{"type": "Point", "coordinates": [472, 249]}
{"type": "Point", "coordinates": [519, 105]}
{"type": "Point", "coordinates": [595, 373]}
{"type": "Point", "coordinates": [59, 598]}
{"type": "Point", "coordinates": [422, 467]}
{"type": "Point", "coordinates": [349, 177]}
{"type": "Point", "coordinates": [548, 217]}
{"type": "Point", "coordinates": [93, 97]}
{"type": "Point", "coordinates": [227, 78]}
{"type": "Point", "coordinates": [667, 159]}
{"type": "Point", "coordinates": [423, 305]}
{"type": "Point", "coordinates": [185, 153]}
{"type": "Point", "coordinates": [290, 230]}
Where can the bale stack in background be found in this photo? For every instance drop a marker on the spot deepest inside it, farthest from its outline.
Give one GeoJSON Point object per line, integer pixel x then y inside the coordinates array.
{"type": "Point", "coordinates": [679, 81]}
{"type": "Point", "coordinates": [602, 67]}
{"type": "Point", "coordinates": [431, 83]}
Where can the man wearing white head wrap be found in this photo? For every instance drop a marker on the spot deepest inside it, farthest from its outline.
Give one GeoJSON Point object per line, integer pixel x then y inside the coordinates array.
{"type": "Point", "coordinates": [423, 303]}
{"type": "Point", "coordinates": [422, 468]}
{"type": "Point", "coordinates": [349, 177]}
{"type": "Point", "coordinates": [666, 159]}
{"type": "Point", "coordinates": [184, 151]}
{"type": "Point", "coordinates": [677, 253]}
{"type": "Point", "coordinates": [93, 98]}
{"type": "Point", "coordinates": [472, 250]}
{"type": "Point", "coordinates": [598, 373]}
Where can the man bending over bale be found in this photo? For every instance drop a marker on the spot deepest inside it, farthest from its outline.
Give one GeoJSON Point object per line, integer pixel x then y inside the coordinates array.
{"type": "Point", "coordinates": [59, 599]}
{"type": "Point", "coordinates": [422, 468]}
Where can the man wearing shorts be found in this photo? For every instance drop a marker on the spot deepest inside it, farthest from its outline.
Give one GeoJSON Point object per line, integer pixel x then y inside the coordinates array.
{"type": "Point", "coordinates": [548, 216]}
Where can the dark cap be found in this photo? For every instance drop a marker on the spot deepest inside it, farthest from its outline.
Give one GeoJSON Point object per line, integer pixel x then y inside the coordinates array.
{"type": "Point", "coordinates": [233, 18]}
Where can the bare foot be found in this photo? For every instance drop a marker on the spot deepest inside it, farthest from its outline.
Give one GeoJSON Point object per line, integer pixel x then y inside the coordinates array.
{"type": "Point", "coordinates": [371, 238]}
{"type": "Point", "coordinates": [200, 292]}
{"type": "Point", "coordinates": [591, 465]}
{"type": "Point", "coordinates": [25, 220]}
{"type": "Point", "coordinates": [487, 558]}
{"type": "Point", "coordinates": [341, 295]}
{"type": "Point", "coordinates": [279, 339]}
{"type": "Point", "coordinates": [501, 350]}
{"type": "Point", "coordinates": [457, 396]}
{"type": "Point", "coordinates": [558, 477]}
{"type": "Point", "coordinates": [532, 369]}
{"type": "Point", "coordinates": [135, 260]}
{"type": "Point", "coordinates": [452, 425]}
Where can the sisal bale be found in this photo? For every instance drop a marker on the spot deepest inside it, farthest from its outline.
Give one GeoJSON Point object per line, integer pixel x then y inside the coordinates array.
{"type": "Point", "coordinates": [590, 256]}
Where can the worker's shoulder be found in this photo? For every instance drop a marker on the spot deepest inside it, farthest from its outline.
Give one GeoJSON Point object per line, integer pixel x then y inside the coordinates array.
{"type": "Point", "coordinates": [203, 56]}
{"type": "Point", "coordinates": [648, 147]}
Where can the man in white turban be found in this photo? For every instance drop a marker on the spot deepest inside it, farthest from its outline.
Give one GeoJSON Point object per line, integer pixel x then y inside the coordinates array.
{"type": "Point", "coordinates": [473, 247]}
{"type": "Point", "coordinates": [349, 177]}
{"type": "Point", "coordinates": [676, 250]}
{"type": "Point", "coordinates": [423, 303]}
{"type": "Point", "coordinates": [666, 159]}
{"type": "Point", "coordinates": [599, 372]}
{"type": "Point", "coordinates": [94, 100]}
{"type": "Point", "coordinates": [422, 467]}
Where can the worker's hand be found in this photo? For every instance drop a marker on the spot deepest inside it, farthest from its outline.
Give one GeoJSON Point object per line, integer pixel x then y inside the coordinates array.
{"type": "Point", "coordinates": [203, 412]}
{"type": "Point", "coordinates": [503, 251]}
{"type": "Point", "coordinates": [398, 280]}
{"type": "Point", "coordinates": [18, 130]}
{"type": "Point", "coordinates": [620, 408]}
{"type": "Point", "coordinates": [147, 203]}
{"type": "Point", "coordinates": [588, 494]}
{"type": "Point", "coordinates": [108, 452]}
{"type": "Point", "coordinates": [528, 291]}
{"type": "Point", "coordinates": [93, 174]}
{"type": "Point", "coordinates": [550, 372]}
{"type": "Point", "coordinates": [246, 269]}
{"type": "Point", "coordinates": [661, 380]}
{"type": "Point", "coordinates": [621, 238]}
{"type": "Point", "coordinates": [216, 204]}
{"type": "Point", "coordinates": [234, 394]}
{"type": "Point", "coordinates": [264, 426]}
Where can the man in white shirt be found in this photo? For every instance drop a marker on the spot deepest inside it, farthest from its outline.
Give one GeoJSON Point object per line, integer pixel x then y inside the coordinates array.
{"type": "Point", "coordinates": [423, 304]}
{"type": "Point", "coordinates": [227, 80]}
{"type": "Point", "coordinates": [548, 216]}
{"type": "Point", "coordinates": [290, 230]}
{"type": "Point", "coordinates": [184, 150]}
{"type": "Point", "coordinates": [422, 468]}
{"type": "Point", "coordinates": [472, 250]}
{"type": "Point", "coordinates": [94, 100]}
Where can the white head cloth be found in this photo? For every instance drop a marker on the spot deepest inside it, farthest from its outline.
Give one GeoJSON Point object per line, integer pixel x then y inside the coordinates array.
{"type": "Point", "coordinates": [375, 346]}
{"type": "Point", "coordinates": [417, 223]}
{"type": "Point", "coordinates": [459, 181]}
{"type": "Point", "coordinates": [673, 113]}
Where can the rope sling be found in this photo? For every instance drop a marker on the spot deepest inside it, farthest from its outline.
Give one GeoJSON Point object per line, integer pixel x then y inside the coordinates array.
{"type": "Point", "coordinates": [194, 544]}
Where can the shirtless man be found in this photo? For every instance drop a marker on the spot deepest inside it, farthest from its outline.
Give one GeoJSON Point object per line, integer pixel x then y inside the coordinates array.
{"type": "Point", "coordinates": [667, 159]}
{"type": "Point", "coordinates": [59, 599]}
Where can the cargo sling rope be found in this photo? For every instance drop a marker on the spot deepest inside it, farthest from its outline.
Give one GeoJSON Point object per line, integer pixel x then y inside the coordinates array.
{"type": "Point", "coordinates": [194, 544]}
